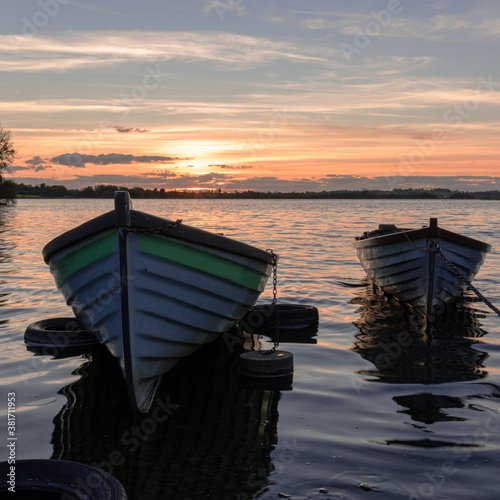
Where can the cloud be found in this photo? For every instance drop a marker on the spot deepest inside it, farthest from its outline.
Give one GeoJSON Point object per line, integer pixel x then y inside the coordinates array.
{"type": "Point", "coordinates": [80, 160]}
{"type": "Point", "coordinates": [161, 174]}
{"type": "Point", "coordinates": [204, 179]}
{"type": "Point", "coordinates": [16, 168]}
{"type": "Point", "coordinates": [151, 180]}
{"type": "Point", "coordinates": [31, 168]}
{"type": "Point", "coordinates": [36, 164]}
{"type": "Point", "coordinates": [477, 24]}
{"type": "Point", "coordinates": [37, 160]}
{"type": "Point", "coordinates": [233, 167]}
{"type": "Point", "coordinates": [63, 51]}
{"type": "Point", "coordinates": [129, 130]}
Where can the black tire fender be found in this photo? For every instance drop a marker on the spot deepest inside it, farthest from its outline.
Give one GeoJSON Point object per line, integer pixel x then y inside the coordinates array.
{"type": "Point", "coordinates": [58, 333]}
{"type": "Point", "coordinates": [57, 479]}
{"type": "Point", "coordinates": [291, 316]}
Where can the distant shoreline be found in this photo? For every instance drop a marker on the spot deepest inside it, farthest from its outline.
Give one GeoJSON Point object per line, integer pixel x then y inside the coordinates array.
{"type": "Point", "coordinates": [106, 192]}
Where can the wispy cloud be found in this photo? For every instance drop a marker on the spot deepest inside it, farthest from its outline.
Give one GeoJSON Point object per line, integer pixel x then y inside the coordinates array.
{"type": "Point", "coordinates": [65, 51]}
{"type": "Point", "coordinates": [232, 167]}
{"type": "Point", "coordinates": [474, 25]}
{"type": "Point", "coordinates": [320, 96]}
{"type": "Point", "coordinates": [57, 105]}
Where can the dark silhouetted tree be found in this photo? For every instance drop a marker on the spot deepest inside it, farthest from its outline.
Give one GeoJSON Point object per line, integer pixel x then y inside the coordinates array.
{"type": "Point", "coordinates": [7, 155]}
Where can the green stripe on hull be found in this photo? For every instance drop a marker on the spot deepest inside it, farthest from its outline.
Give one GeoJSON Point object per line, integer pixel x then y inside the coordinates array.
{"type": "Point", "coordinates": [83, 256]}
{"type": "Point", "coordinates": [201, 260]}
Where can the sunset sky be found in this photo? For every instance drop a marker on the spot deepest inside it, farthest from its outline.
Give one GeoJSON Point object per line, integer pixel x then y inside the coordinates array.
{"type": "Point", "coordinates": [247, 94]}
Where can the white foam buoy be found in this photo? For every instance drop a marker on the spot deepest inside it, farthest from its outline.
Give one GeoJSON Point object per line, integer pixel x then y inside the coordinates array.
{"type": "Point", "coordinates": [266, 364]}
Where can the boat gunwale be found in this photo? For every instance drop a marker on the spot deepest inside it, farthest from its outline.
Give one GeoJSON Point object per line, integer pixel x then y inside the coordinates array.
{"type": "Point", "coordinates": [142, 220]}
{"type": "Point", "coordinates": [425, 232]}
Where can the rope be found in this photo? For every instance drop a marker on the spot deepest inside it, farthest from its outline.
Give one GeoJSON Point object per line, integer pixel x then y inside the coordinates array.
{"type": "Point", "coordinates": [467, 282]}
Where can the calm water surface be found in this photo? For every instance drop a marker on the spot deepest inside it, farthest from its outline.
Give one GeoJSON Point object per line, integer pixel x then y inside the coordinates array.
{"type": "Point", "coordinates": [377, 407]}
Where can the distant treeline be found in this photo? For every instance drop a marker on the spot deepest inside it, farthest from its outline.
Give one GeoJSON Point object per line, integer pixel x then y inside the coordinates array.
{"type": "Point", "coordinates": [106, 191]}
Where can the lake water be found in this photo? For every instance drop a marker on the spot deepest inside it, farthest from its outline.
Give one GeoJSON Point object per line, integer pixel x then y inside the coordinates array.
{"type": "Point", "coordinates": [368, 415]}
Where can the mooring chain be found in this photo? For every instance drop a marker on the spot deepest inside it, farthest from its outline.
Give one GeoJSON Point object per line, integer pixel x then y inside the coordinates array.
{"type": "Point", "coordinates": [418, 248]}
{"type": "Point", "coordinates": [436, 248]}
{"type": "Point", "coordinates": [467, 282]}
{"type": "Point", "coordinates": [275, 303]}
{"type": "Point", "coordinates": [157, 230]}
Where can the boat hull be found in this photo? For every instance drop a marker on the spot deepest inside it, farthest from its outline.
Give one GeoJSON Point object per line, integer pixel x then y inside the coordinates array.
{"type": "Point", "coordinates": [154, 298]}
{"type": "Point", "coordinates": [411, 265]}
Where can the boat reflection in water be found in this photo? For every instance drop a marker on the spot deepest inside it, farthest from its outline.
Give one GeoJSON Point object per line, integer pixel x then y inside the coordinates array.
{"type": "Point", "coordinates": [394, 338]}
{"type": "Point", "coordinates": [209, 433]}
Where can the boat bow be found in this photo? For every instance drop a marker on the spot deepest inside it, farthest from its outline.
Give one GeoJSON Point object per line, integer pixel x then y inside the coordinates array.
{"type": "Point", "coordinates": [410, 263]}
{"type": "Point", "coordinates": [152, 290]}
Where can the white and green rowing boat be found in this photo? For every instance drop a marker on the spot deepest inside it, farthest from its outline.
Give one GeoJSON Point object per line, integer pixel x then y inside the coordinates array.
{"type": "Point", "coordinates": [152, 290]}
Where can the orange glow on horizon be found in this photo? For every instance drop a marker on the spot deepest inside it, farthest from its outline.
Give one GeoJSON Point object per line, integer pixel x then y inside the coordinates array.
{"type": "Point", "coordinates": [289, 154]}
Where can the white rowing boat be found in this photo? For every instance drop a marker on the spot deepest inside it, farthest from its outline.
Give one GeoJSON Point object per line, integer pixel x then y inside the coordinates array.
{"type": "Point", "coordinates": [153, 290]}
{"type": "Point", "coordinates": [421, 266]}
